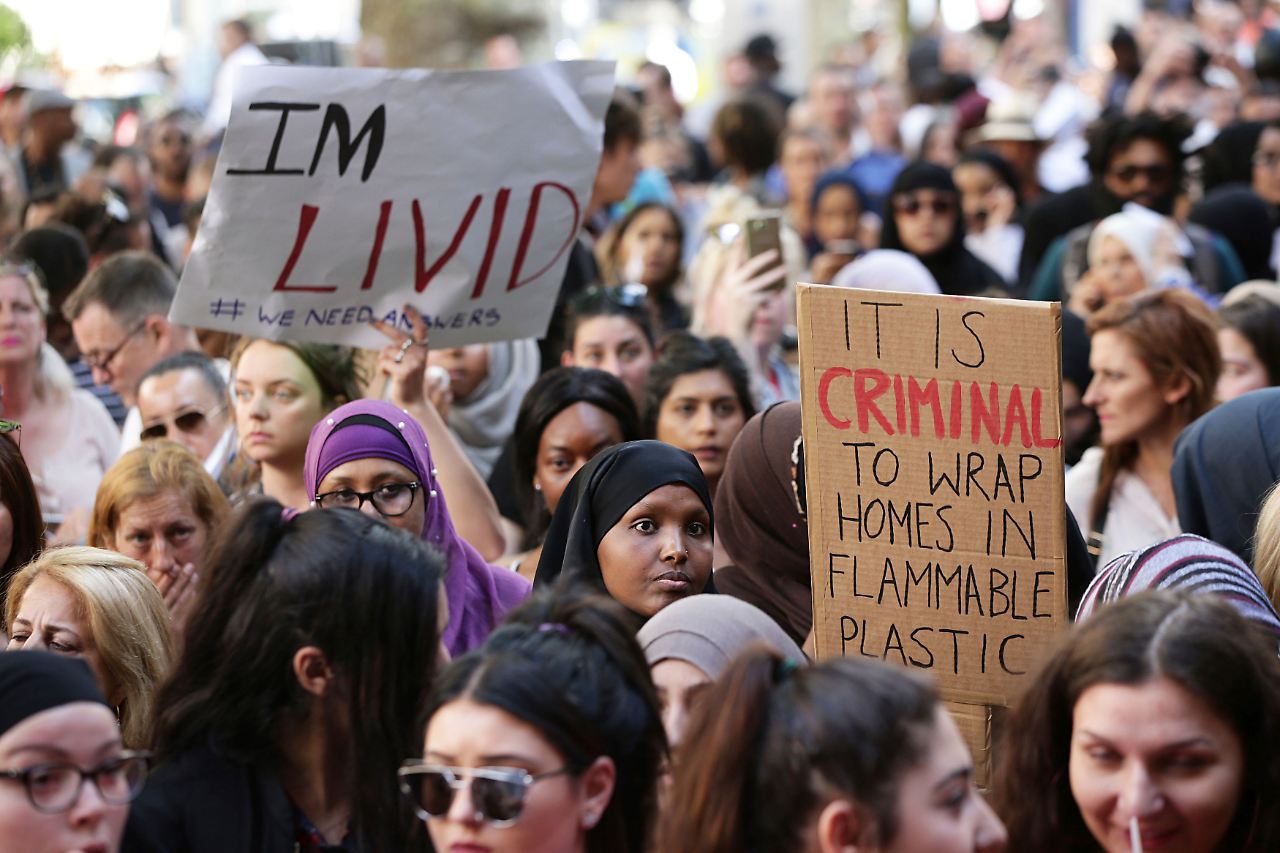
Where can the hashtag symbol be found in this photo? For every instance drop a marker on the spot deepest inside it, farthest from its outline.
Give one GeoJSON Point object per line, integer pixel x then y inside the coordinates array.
{"type": "Point", "coordinates": [232, 308]}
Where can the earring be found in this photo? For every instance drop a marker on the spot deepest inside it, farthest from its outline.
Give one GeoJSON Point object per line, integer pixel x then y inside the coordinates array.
{"type": "Point", "coordinates": [537, 487]}
{"type": "Point", "coordinates": [589, 820]}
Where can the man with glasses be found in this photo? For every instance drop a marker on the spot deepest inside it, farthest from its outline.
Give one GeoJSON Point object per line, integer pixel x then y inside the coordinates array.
{"type": "Point", "coordinates": [119, 316]}
{"type": "Point", "coordinates": [1132, 160]}
{"type": "Point", "coordinates": [184, 398]}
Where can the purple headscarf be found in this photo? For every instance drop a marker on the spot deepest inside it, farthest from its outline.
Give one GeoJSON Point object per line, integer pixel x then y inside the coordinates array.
{"type": "Point", "coordinates": [478, 593]}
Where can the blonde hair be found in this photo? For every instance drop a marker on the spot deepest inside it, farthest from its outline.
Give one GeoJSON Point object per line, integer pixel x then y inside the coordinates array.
{"type": "Point", "coordinates": [1266, 546]}
{"type": "Point", "coordinates": [53, 379]}
{"type": "Point", "coordinates": [126, 618]}
{"type": "Point", "coordinates": [147, 471]}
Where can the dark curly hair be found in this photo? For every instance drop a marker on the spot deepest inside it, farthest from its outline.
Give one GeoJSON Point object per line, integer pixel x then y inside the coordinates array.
{"type": "Point", "coordinates": [1111, 134]}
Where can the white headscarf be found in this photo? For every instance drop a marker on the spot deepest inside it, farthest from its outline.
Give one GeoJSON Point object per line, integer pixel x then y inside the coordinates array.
{"type": "Point", "coordinates": [486, 418]}
{"type": "Point", "coordinates": [887, 269]}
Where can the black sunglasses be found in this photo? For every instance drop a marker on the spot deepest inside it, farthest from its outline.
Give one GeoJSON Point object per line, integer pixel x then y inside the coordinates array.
{"type": "Point", "coordinates": [911, 205]}
{"type": "Point", "coordinates": [627, 295]}
{"type": "Point", "coordinates": [497, 793]}
{"type": "Point", "coordinates": [187, 422]}
{"type": "Point", "coordinates": [1155, 173]}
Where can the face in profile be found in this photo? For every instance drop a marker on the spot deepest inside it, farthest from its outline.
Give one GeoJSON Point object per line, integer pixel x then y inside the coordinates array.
{"type": "Point", "coordinates": [939, 808]}
{"type": "Point", "coordinates": [277, 400]}
{"type": "Point", "coordinates": [569, 441]}
{"type": "Point", "coordinates": [1126, 397]}
{"type": "Point", "coordinates": [550, 814]}
{"type": "Point", "coordinates": [1242, 370]}
{"type": "Point", "coordinates": [82, 734]}
{"type": "Point", "coordinates": [1158, 754]}
{"type": "Point", "coordinates": [659, 551]}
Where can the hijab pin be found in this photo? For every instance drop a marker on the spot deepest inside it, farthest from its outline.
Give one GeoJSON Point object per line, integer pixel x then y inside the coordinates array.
{"type": "Point", "coordinates": [433, 493]}
{"type": "Point", "coordinates": [329, 422]}
{"type": "Point", "coordinates": [400, 425]}
{"type": "Point", "coordinates": [434, 472]}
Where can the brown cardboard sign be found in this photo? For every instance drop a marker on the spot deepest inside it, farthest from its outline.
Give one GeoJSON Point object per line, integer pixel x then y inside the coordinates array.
{"type": "Point", "coordinates": [933, 461]}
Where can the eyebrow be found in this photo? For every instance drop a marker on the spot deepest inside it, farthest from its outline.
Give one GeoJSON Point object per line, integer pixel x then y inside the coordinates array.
{"type": "Point", "coordinates": [1194, 740]}
{"type": "Point", "coordinates": [20, 620]}
{"type": "Point", "coordinates": [486, 759]}
{"type": "Point", "coordinates": [959, 773]}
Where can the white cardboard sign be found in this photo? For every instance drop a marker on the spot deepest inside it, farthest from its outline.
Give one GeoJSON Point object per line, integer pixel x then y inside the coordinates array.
{"type": "Point", "coordinates": [340, 195]}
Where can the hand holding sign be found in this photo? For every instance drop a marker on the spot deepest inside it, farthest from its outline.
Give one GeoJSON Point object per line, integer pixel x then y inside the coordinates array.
{"type": "Point", "coordinates": [403, 362]}
{"type": "Point", "coordinates": [342, 194]}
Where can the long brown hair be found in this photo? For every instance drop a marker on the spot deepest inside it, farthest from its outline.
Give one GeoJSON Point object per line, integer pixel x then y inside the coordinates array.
{"type": "Point", "coordinates": [773, 743]}
{"type": "Point", "coordinates": [1200, 643]}
{"type": "Point", "coordinates": [1175, 337]}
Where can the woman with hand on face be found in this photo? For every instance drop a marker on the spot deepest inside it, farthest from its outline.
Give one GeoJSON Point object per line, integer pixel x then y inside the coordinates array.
{"type": "Point", "coordinates": [301, 686]}
{"type": "Point", "coordinates": [1128, 253]}
{"type": "Point", "coordinates": [66, 779]}
{"type": "Point", "coordinates": [848, 754]}
{"type": "Point", "coordinates": [372, 457]}
{"type": "Point", "coordinates": [159, 506]}
{"type": "Point", "coordinates": [569, 415]}
{"type": "Point", "coordinates": [635, 524]}
{"type": "Point", "coordinates": [1158, 717]}
{"type": "Point", "coordinates": [923, 218]}
{"type": "Point", "coordinates": [1155, 364]}
{"type": "Point", "coordinates": [99, 606]}
{"type": "Point", "coordinates": [280, 390]}
{"type": "Point", "coordinates": [699, 398]}
{"type": "Point", "coordinates": [547, 739]}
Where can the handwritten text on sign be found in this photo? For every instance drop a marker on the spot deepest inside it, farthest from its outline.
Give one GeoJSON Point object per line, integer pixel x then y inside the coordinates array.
{"type": "Point", "coordinates": [932, 449]}
{"type": "Point", "coordinates": [342, 194]}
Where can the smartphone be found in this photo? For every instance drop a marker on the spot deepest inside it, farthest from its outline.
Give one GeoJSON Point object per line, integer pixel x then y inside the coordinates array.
{"type": "Point", "coordinates": [764, 232]}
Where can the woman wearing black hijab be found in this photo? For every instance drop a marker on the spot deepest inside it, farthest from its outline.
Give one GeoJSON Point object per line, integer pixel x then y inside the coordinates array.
{"type": "Point", "coordinates": [923, 218]}
{"type": "Point", "coordinates": [635, 524]}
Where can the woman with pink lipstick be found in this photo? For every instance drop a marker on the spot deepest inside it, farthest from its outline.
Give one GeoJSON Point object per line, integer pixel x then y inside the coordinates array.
{"type": "Point", "coordinates": [547, 739]}
{"type": "Point", "coordinates": [1155, 365]}
{"type": "Point", "coordinates": [635, 524]}
{"type": "Point", "coordinates": [68, 439]}
{"type": "Point", "coordinates": [1158, 718]}
{"type": "Point", "coordinates": [699, 399]}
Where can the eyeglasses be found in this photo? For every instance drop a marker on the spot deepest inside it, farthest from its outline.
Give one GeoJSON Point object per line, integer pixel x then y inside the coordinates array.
{"type": "Point", "coordinates": [390, 500]}
{"type": "Point", "coordinates": [13, 429]}
{"type": "Point", "coordinates": [54, 788]}
{"type": "Point", "coordinates": [168, 139]}
{"type": "Point", "coordinates": [497, 793]}
{"type": "Point", "coordinates": [103, 362]}
{"type": "Point", "coordinates": [942, 205]}
{"type": "Point", "coordinates": [626, 295]}
{"type": "Point", "coordinates": [1155, 173]}
{"type": "Point", "coordinates": [186, 422]}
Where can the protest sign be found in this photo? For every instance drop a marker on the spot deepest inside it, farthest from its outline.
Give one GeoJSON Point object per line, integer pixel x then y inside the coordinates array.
{"type": "Point", "coordinates": [340, 195]}
{"type": "Point", "coordinates": [933, 463]}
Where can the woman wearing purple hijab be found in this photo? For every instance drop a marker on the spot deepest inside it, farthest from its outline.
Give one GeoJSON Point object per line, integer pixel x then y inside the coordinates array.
{"type": "Point", "coordinates": [370, 455]}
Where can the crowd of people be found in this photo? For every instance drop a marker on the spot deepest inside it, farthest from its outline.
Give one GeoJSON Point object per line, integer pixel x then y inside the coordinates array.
{"type": "Point", "coordinates": [554, 595]}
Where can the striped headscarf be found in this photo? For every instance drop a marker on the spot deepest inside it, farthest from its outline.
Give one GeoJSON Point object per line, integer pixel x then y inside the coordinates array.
{"type": "Point", "coordinates": [1188, 563]}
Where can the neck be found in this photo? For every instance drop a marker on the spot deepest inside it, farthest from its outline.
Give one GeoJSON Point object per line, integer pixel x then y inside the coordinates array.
{"type": "Point", "coordinates": [19, 384]}
{"type": "Point", "coordinates": [303, 773]}
{"type": "Point", "coordinates": [170, 189]}
{"type": "Point", "coordinates": [40, 152]}
{"type": "Point", "coordinates": [286, 484]}
{"type": "Point", "coordinates": [1155, 452]}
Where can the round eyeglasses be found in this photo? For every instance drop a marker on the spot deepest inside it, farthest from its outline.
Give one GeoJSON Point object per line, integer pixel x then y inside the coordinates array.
{"type": "Point", "coordinates": [390, 499]}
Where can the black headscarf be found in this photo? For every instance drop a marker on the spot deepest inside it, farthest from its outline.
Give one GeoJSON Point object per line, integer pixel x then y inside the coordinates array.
{"type": "Point", "coordinates": [599, 495]}
{"type": "Point", "coordinates": [999, 165]}
{"type": "Point", "coordinates": [1223, 465]}
{"type": "Point", "coordinates": [31, 682]}
{"type": "Point", "coordinates": [1246, 222]}
{"type": "Point", "coordinates": [957, 270]}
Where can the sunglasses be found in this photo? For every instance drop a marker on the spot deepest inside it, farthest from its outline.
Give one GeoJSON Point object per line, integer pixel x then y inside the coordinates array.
{"type": "Point", "coordinates": [187, 422]}
{"type": "Point", "coordinates": [627, 295]}
{"type": "Point", "coordinates": [497, 793]}
{"type": "Point", "coordinates": [1155, 173]}
{"type": "Point", "coordinates": [912, 205]}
